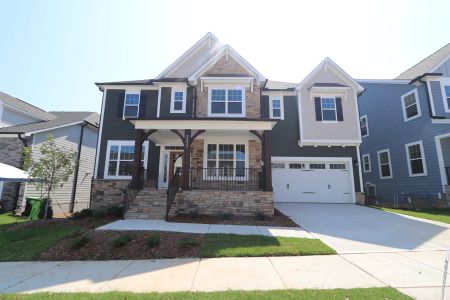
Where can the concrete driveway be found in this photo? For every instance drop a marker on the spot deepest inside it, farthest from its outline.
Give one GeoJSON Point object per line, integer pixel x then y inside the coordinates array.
{"type": "Point", "coordinates": [350, 228]}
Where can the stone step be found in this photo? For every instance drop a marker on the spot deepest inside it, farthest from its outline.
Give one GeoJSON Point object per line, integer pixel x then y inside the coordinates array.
{"type": "Point", "coordinates": [132, 215]}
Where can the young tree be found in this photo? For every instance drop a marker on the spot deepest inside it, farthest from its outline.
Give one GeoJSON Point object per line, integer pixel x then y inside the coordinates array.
{"type": "Point", "coordinates": [51, 169]}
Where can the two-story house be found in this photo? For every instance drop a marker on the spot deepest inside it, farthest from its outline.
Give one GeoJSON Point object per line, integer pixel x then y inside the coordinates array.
{"type": "Point", "coordinates": [405, 126]}
{"type": "Point", "coordinates": [25, 125]}
{"type": "Point", "coordinates": [222, 139]}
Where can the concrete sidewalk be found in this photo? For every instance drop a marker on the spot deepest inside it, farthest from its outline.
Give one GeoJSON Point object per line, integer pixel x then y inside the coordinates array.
{"type": "Point", "coordinates": [418, 274]}
{"type": "Point", "coordinates": [160, 225]}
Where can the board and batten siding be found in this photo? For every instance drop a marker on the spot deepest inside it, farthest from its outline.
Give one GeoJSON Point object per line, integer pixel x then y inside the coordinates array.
{"type": "Point", "coordinates": [285, 137]}
{"type": "Point", "coordinates": [387, 130]}
{"type": "Point", "coordinates": [68, 138]}
{"type": "Point", "coordinates": [11, 118]}
{"type": "Point", "coordinates": [115, 128]}
{"type": "Point", "coordinates": [347, 129]}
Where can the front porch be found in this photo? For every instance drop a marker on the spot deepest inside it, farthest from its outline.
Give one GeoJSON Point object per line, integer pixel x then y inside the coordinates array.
{"type": "Point", "coordinates": [205, 167]}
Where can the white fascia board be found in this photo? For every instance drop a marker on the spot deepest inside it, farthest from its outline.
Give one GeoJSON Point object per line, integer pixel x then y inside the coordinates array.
{"type": "Point", "coordinates": [384, 81]}
{"type": "Point", "coordinates": [206, 38]}
{"type": "Point", "coordinates": [277, 93]}
{"type": "Point", "coordinates": [329, 88]}
{"type": "Point", "coordinates": [238, 125]}
{"type": "Point", "coordinates": [99, 137]}
{"type": "Point", "coordinates": [53, 128]}
{"type": "Point", "coordinates": [322, 158]}
{"type": "Point", "coordinates": [128, 87]}
{"type": "Point", "coordinates": [329, 143]}
{"type": "Point", "coordinates": [227, 80]}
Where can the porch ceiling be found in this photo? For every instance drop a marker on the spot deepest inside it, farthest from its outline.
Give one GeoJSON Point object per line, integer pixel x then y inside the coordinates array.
{"type": "Point", "coordinates": [205, 124]}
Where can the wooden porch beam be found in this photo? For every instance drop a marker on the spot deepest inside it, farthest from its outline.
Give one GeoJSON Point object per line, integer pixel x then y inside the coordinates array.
{"type": "Point", "coordinates": [180, 135]}
{"type": "Point", "coordinates": [257, 134]}
{"type": "Point", "coordinates": [197, 134]}
{"type": "Point", "coordinates": [267, 158]}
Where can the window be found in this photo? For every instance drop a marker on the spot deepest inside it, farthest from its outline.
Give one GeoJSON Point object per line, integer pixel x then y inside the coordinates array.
{"type": "Point", "coordinates": [447, 96]}
{"type": "Point", "coordinates": [364, 126]}
{"type": "Point", "coordinates": [119, 159]}
{"type": "Point", "coordinates": [416, 159]}
{"type": "Point", "coordinates": [296, 166]}
{"type": "Point", "coordinates": [226, 160]}
{"type": "Point", "coordinates": [338, 167]}
{"type": "Point", "coordinates": [366, 163]}
{"type": "Point", "coordinates": [229, 102]}
{"type": "Point", "coordinates": [278, 166]}
{"type": "Point", "coordinates": [276, 107]}
{"type": "Point", "coordinates": [328, 106]}
{"type": "Point", "coordinates": [131, 106]}
{"type": "Point", "coordinates": [317, 166]}
{"type": "Point", "coordinates": [384, 162]}
{"type": "Point", "coordinates": [411, 107]}
{"type": "Point", "coordinates": [178, 101]}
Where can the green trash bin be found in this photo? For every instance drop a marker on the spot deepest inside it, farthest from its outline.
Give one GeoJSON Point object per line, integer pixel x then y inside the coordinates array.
{"type": "Point", "coordinates": [37, 207]}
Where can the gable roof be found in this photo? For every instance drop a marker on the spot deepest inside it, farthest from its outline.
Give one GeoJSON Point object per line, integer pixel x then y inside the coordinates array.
{"type": "Point", "coordinates": [25, 107]}
{"type": "Point", "coordinates": [62, 119]}
{"type": "Point", "coordinates": [329, 63]}
{"type": "Point", "coordinates": [227, 50]}
{"type": "Point", "coordinates": [428, 64]}
{"type": "Point", "coordinates": [193, 58]}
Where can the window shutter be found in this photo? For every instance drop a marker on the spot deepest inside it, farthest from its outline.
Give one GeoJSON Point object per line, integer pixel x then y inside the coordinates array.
{"type": "Point", "coordinates": [142, 105]}
{"type": "Point", "coordinates": [120, 103]}
{"type": "Point", "coordinates": [318, 109]}
{"type": "Point", "coordinates": [340, 116]}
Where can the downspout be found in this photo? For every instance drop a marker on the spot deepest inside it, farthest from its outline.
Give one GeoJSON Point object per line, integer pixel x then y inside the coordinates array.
{"type": "Point", "coordinates": [194, 99]}
{"type": "Point", "coordinates": [77, 167]}
{"type": "Point", "coordinates": [25, 144]}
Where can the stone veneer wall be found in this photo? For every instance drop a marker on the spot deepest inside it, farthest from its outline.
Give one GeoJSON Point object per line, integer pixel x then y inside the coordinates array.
{"type": "Point", "coordinates": [11, 154]}
{"type": "Point", "coordinates": [360, 198]}
{"type": "Point", "coordinates": [216, 203]}
{"type": "Point", "coordinates": [106, 193]}
{"type": "Point", "coordinates": [230, 67]}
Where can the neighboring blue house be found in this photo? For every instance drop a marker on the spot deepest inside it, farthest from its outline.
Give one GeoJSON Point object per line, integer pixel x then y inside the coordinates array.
{"type": "Point", "coordinates": [405, 128]}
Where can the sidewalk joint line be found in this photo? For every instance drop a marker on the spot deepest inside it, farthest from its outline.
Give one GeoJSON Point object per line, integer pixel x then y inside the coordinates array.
{"type": "Point", "coordinates": [278, 273]}
{"type": "Point", "coordinates": [115, 276]}
{"type": "Point", "coordinates": [195, 274]}
{"type": "Point", "coordinates": [367, 272]}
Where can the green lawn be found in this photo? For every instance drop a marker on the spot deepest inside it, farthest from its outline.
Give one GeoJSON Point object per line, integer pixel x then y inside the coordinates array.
{"type": "Point", "coordinates": [231, 245]}
{"type": "Point", "coordinates": [25, 243]}
{"type": "Point", "coordinates": [338, 294]}
{"type": "Point", "coordinates": [7, 219]}
{"type": "Point", "coordinates": [440, 215]}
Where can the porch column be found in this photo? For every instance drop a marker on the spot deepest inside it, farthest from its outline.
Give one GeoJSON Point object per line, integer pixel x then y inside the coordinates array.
{"type": "Point", "coordinates": [267, 158]}
{"type": "Point", "coordinates": [186, 160]}
{"type": "Point", "coordinates": [136, 169]}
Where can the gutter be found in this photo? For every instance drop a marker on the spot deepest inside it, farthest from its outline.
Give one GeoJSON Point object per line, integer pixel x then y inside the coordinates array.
{"type": "Point", "coordinates": [420, 79]}
{"type": "Point", "coordinates": [77, 167]}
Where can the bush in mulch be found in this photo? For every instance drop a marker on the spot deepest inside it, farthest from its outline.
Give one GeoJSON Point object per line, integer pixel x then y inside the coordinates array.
{"type": "Point", "coordinates": [121, 240]}
{"type": "Point", "coordinates": [80, 242]}
{"type": "Point", "coordinates": [84, 213]}
{"type": "Point", "coordinates": [114, 211]}
{"type": "Point", "coordinates": [187, 242]}
{"type": "Point", "coordinates": [153, 241]}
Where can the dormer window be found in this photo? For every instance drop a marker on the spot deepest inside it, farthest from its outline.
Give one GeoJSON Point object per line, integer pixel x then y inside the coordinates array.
{"type": "Point", "coordinates": [226, 102]}
{"type": "Point", "coordinates": [131, 105]}
{"type": "Point", "coordinates": [328, 109]}
{"type": "Point", "coordinates": [178, 101]}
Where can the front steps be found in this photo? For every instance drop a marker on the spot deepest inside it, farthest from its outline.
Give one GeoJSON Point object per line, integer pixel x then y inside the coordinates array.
{"type": "Point", "coordinates": [149, 204]}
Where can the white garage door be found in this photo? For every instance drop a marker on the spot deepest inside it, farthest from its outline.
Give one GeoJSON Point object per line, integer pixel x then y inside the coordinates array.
{"type": "Point", "coordinates": [317, 181]}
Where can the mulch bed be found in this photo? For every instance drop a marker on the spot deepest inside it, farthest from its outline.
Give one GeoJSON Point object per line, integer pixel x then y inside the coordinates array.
{"type": "Point", "coordinates": [86, 223]}
{"type": "Point", "coordinates": [100, 247]}
{"type": "Point", "coordinates": [278, 220]}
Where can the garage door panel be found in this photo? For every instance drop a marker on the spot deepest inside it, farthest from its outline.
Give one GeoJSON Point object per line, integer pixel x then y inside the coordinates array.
{"type": "Point", "coordinates": [312, 185]}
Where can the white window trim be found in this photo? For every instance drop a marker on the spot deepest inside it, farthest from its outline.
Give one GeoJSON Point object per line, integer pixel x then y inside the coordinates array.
{"type": "Point", "coordinates": [422, 152]}
{"type": "Point", "coordinates": [363, 163]}
{"type": "Point", "coordinates": [335, 109]}
{"type": "Point", "coordinates": [271, 99]}
{"type": "Point", "coordinates": [390, 164]}
{"type": "Point", "coordinates": [444, 82]}
{"type": "Point", "coordinates": [121, 143]}
{"type": "Point", "coordinates": [419, 111]}
{"type": "Point", "coordinates": [226, 114]}
{"type": "Point", "coordinates": [225, 141]}
{"type": "Point", "coordinates": [367, 126]}
{"type": "Point", "coordinates": [125, 104]}
{"type": "Point", "coordinates": [172, 101]}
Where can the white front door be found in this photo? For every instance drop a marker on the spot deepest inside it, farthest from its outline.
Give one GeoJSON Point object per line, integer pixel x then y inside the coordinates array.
{"type": "Point", "coordinates": [313, 181]}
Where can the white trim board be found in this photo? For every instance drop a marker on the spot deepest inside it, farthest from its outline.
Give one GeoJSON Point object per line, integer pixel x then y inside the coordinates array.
{"type": "Point", "coordinates": [441, 158]}
{"type": "Point", "coordinates": [388, 151]}
{"type": "Point", "coordinates": [422, 156]}
{"type": "Point", "coordinates": [122, 143]}
{"type": "Point", "coordinates": [99, 138]}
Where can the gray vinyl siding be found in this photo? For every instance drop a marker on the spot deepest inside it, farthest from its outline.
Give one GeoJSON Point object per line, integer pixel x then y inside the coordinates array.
{"type": "Point", "coordinates": [387, 130]}
{"type": "Point", "coordinates": [115, 128]}
{"type": "Point", "coordinates": [445, 144]}
{"type": "Point", "coordinates": [438, 99]}
{"type": "Point", "coordinates": [86, 168]}
{"type": "Point", "coordinates": [166, 95]}
{"type": "Point", "coordinates": [444, 69]}
{"type": "Point", "coordinates": [10, 118]}
{"type": "Point", "coordinates": [285, 137]}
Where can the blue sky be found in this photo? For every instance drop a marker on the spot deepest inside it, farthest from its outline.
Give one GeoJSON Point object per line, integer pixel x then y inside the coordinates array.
{"type": "Point", "coordinates": [52, 52]}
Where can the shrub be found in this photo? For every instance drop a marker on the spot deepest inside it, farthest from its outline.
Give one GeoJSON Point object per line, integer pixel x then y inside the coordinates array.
{"type": "Point", "coordinates": [153, 241]}
{"type": "Point", "coordinates": [99, 213]}
{"type": "Point", "coordinates": [80, 242]}
{"type": "Point", "coordinates": [260, 216]}
{"type": "Point", "coordinates": [186, 242]}
{"type": "Point", "coordinates": [84, 213]}
{"type": "Point", "coordinates": [114, 211]}
{"type": "Point", "coordinates": [226, 216]}
{"type": "Point", "coordinates": [121, 240]}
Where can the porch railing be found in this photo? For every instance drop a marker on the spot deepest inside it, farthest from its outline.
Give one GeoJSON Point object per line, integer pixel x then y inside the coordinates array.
{"type": "Point", "coordinates": [447, 171]}
{"type": "Point", "coordinates": [240, 179]}
{"type": "Point", "coordinates": [172, 190]}
{"type": "Point", "coordinates": [132, 189]}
